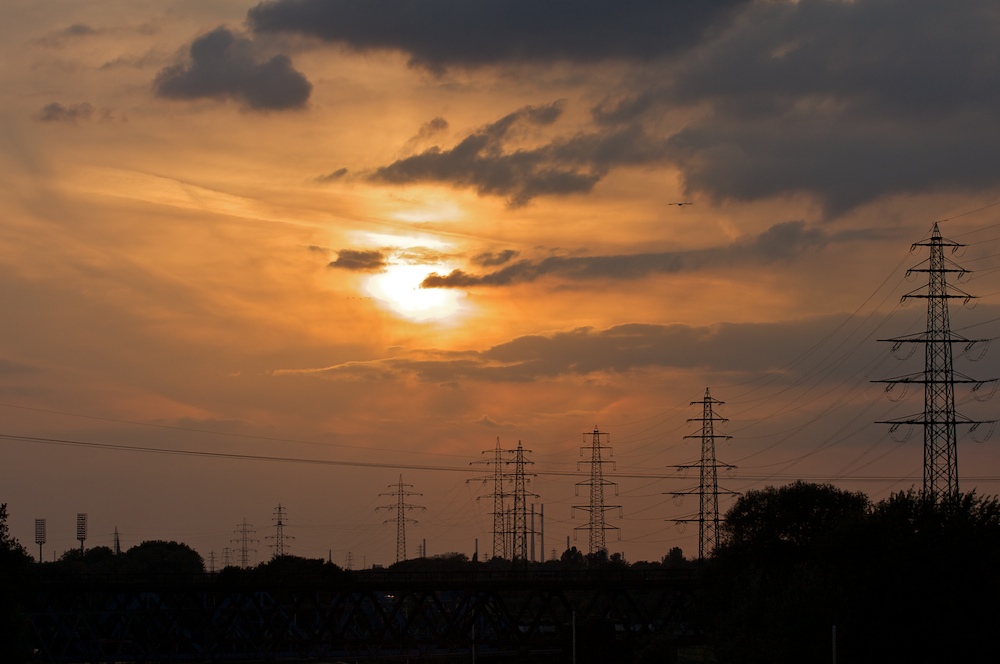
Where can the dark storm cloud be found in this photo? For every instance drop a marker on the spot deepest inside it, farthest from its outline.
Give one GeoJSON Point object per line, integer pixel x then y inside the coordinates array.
{"type": "Point", "coordinates": [485, 161]}
{"type": "Point", "coordinates": [844, 101]}
{"type": "Point", "coordinates": [843, 164]}
{"type": "Point", "coordinates": [780, 242]}
{"type": "Point", "coordinates": [225, 65]}
{"type": "Point", "coordinates": [443, 33]}
{"type": "Point", "coordinates": [359, 261]}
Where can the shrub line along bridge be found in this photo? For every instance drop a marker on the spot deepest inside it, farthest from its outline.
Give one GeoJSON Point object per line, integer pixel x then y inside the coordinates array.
{"type": "Point", "coordinates": [360, 616]}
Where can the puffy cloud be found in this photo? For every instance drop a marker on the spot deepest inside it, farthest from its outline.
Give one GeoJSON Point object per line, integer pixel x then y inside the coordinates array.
{"type": "Point", "coordinates": [360, 261]}
{"type": "Point", "coordinates": [225, 65]}
{"type": "Point", "coordinates": [781, 241]}
{"type": "Point", "coordinates": [443, 33]}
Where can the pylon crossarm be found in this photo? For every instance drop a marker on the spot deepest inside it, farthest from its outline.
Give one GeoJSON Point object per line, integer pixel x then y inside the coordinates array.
{"type": "Point", "coordinates": [941, 336]}
{"type": "Point", "coordinates": [921, 379]}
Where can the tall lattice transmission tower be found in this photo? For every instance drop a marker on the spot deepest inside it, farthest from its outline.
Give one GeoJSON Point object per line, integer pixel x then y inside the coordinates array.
{"type": "Point", "coordinates": [598, 525]}
{"type": "Point", "coordinates": [522, 529]}
{"type": "Point", "coordinates": [511, 525]}
{"type": "Point", "coordinates": [939, 419]}
{"type": "Point", "coordinates": [708, 468]}
{"type": "Point", "coordinates": [500, 529]}
{"type": "Point", "coordinates": [244, 540]}
{"type": "Point", "coordinates": [279, 537]}
{"type": "Point", "coordinates": [401, 507]}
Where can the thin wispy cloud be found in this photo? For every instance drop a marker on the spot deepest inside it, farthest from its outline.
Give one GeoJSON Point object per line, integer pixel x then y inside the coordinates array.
{"type": "Point", "coordinates": [785, 241]}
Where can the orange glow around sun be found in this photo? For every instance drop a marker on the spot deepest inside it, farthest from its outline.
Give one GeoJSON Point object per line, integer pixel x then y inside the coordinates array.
{"type": "Point", "coordinates": [398, 287]}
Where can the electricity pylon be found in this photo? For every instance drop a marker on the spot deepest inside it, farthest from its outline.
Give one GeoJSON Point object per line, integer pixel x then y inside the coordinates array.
{"type": "Point", "coordinates": [708, 486]}
{"type": "Point", "coordinates": [598, 524]}
{"type": "Point", "coordinates": [500, 529]}
{"type": "Point", "coordinates": [244, 530]}
{"type": "Point", "coordinates": [279, 536]}
{"type": "Point", "coordinates": [510, 503]}
{"type": "Point", "coordinates": [939, 418]}
{"type": "Point", "coordinates": [401, 507]}
{"type": "Point", "coordinates": [521, 532]}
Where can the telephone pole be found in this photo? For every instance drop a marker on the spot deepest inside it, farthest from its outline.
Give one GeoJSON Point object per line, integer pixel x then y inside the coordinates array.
{"type": "Point", "coordinates": [708, 485]}
{"type": "Point", "coordinates": [939, 418]}
{"type": "Point", "coordinates": [401, 507]}
{"type": "Point", "coordinates": [596, 483]}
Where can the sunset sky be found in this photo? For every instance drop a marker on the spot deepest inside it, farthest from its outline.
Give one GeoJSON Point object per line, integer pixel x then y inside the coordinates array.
{"type": "Point", "coordinates": [302, 247]}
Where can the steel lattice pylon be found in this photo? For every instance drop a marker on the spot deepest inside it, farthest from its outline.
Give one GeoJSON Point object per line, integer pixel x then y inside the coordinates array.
{"type": "Point", "coordinates": [598, 524]}
{"type": "Point", "coordinates": [939, 419]}
{"type": "Point", "coordinates": [401, 507]}
{"type": "Point", "coordinates": [708, 487]}
{"type": "Point", "coordinates": [500, 528]}
{"type": "Point", "coordinates": [519, 550]}
{"type": "Point", "coordinates": [244, 530]}
{"type": "Point", "coordinates": [510, 506]}
{"type": "Point", "coordinates": [279, 536]}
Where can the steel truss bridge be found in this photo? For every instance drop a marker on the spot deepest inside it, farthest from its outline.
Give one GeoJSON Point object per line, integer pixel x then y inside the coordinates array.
{"type": "Point", "coordinates": [364, 616]}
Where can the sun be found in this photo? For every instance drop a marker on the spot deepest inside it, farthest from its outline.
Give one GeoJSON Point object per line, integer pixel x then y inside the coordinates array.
{"type": "Point", "coordinates": [398, 287]}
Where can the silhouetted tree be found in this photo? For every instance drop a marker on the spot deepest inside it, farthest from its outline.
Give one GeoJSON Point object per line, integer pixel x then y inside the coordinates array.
{"type": "Point", "coordinates": [157, 557]}
{"type": "Point", "coordinates": [907, 580]}
{"type": "Point", "coordinates": [572, 558]}
{"type": "Point", "coordinates": [295, 569]}
{"type": "Point", "coordinates": [767, 599]}
{"type": "Point", "coordinates": [14, 565]}
{"type": "Point", "coordinates": [793, 516]}
{"type": "Point", "coordinates": [444, 562]}
{"type": "Point", "coordinates": [674, 559]}
{"type": "Point", "coordinates": [921, 578]}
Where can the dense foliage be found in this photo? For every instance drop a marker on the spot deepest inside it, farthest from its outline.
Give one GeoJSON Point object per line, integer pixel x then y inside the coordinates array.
{"type": "Point", "coordinates": [905, 580]}
{"type": "Point", "coordinates": [14, 561]}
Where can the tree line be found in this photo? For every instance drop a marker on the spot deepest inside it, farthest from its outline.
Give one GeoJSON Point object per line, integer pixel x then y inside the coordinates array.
{"type": "Point", "coordinates": [802, 573]}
